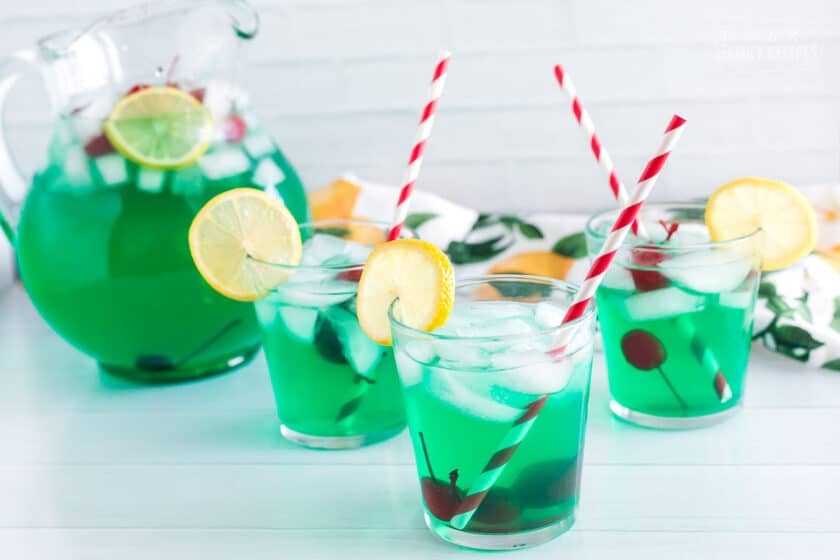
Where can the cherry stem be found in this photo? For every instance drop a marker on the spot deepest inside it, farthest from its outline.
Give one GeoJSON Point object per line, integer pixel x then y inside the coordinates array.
{"type": "Point", "coordinates": [670, 229]}
{"type": "Point", "coordinates": [671, 387]}
{"type": "Point", "coordinates": [426, 455]}
{"type": "Point", "coordinates": [171, 70]}
{"type": "Point", "coordinates": [453, 483]}
{"type": "Point", "coordinates": [208, 343]}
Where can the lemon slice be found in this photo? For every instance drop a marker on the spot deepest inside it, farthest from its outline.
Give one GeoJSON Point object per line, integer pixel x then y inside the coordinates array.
{"type": "Point", "coordinates": [160, 128]}
{"type": "Point", "coordinates": [786, 220]}
{"type": "Point", "coordinates": [235, 236]}
{"type": "Point", "coordinates": [416, 272]}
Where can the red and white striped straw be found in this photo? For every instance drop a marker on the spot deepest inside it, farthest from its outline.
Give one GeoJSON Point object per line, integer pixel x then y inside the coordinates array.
{"type": "Point", "coordinates": [702, 352]}
{"type": "Point", "coordinates": [625, 218]}
{"type": "Point", "coordinates": [522, 425]}
{"type": "Point", "coordinates": [415, 160]}
{"type": "Point", "coordinates": [598, 150]}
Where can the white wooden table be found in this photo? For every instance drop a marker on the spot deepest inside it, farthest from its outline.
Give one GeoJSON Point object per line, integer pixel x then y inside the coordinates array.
{"type": "Point", "coordinates": [91, 468]}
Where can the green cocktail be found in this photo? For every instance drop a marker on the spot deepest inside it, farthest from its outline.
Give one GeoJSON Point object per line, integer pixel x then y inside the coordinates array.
{"type": "Point", "coordinates": [102, 247]}
{"type": "Point", "coordinates": [467, 385]}
{"type": "Point", "coordinates": [148, 123]}
{"type": "Point", "coordinates": [334, 387]}
{"type": "Point", "coordinates": [676, 318]}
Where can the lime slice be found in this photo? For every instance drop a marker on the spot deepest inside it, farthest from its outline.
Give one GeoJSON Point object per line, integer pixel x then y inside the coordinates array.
{"type": "Point", "coordinates": [788, 227]}
{"type": "Point", "coordinates": [416, 272]}
{"type": "Point", "coordinates": [160, 128]}
{"type": "Point", "coordinates": [238, 239]}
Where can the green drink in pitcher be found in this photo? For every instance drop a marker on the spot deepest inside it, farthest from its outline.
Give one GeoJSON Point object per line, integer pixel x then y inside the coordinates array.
{"type": "Point", "coordinates": [128, 292]}
{"type": "Point", "coordinates": [149, 126]}
{"type": "Point", "coordinates": [676, 312]}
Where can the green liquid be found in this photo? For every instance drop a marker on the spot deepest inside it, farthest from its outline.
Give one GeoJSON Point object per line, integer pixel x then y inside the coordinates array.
{"type": "Point", "coordinates": [109, 268]}
{"type": "Point", "coordinates": [317, 390]}
{"type": "Point", "coordinates": [724, 330]}
{"type": "Point", "coordinates": [539, 485]}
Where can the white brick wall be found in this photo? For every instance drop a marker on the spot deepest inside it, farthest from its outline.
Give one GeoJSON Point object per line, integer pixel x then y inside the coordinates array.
{"type": "Point", "coordinates": [340, 84]}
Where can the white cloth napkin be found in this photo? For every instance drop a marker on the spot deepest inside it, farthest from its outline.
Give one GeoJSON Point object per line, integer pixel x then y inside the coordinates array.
{"type": "Point", "coordinates": [797, 312]}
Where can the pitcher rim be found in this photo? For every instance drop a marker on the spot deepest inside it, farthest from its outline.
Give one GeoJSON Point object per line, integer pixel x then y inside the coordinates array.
{"type": "Point", "coordinates": [243, 16]}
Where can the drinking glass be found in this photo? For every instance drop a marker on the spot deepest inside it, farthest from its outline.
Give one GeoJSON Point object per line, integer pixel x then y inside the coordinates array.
{"type": "Point", "coordinates": [497, 410]}
{"type": "Point", "coordinates": [676, 314]}
{"type": "Point", "coordinates": [334, 387]}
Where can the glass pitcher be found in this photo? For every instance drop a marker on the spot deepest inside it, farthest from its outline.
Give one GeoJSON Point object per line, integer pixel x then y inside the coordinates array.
{"type": "Point", "coordinates": [101, 229]}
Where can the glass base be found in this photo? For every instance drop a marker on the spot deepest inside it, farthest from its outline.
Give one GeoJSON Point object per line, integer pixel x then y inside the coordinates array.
{"type": "Point", "coordinates": [338, 442]}
{"type": "Point", "coordinates": [179, 374]}
{"type": "Point", "coordinates": [499, 541]}
{"type": "Point", "coordinates": [671, 422]}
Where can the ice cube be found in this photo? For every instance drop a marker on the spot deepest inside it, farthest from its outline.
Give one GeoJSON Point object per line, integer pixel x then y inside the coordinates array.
{"type": "Point", "coordinates": [299, 322]}
{"type": "Point", "coordinates": [323, 249]}
{"type": "Point", "coordinates": [463, 317]}
{"type": "Point", "coordinates": [450, 389]}
{"type": "Point", "coordinates": [347, 260]}
{"type": "Point", "coordinates": [535, 378]}
{"type": "Point", "coordinates": [250, 119]}
{"type": "Point", "coordinates": [410, 371]}
{"type": "Point", "coordinates": [313, 287]}
{"type": "Point", "coordinates": [461, 355]}
{"type": "Point", "coordinates": [112, 170]}
{"type": "Point", "coordinates": [75, 168]}
{"type": "Point", "coordinates": [150, 180]}
{"type": "Point", "coordinates": [266, 313]}
{"type": "Point", "coordinates": [740, 299]}
{"type": "Point", "coordinates": [487, 326]}
{"type": "Point", "coordinates": [549, 315]}
{"type": "Point", "coordinates": [508, 327]}
{"type": "Point", "coordinates": [64, 133]}
{"type": "Point", "coordinates": [221, 98]}
{"type": "Point", "coordinates": [498, 309]}
{"type": "Point", "coordinates": [356, 253]}
{"type": "Point", "coordinates": [362, 353]}
{"type": "Point", "coordinates": [259, 145]}
{"type": "Point", "coordinates": [485, 319]}
{"type": "Point", "coordinates": [320, 248]}
{"type": "Point", "coordinates": [224, 163]}
{"type": "Point", "coordinates": [268, 173]}
{"type": "Point", "coordinates": [317, 296]}
{"type": "Point", "coordinates": [662, 304]}
{"type": "Point", "coordinates": [187, 182]}
{"type": "Point", "coordinates": [710, 271]}
{"type": "Point", "coordinates": [690, 234]}
{"type": "Point", "coordinates": [598, 343]}
{"type": "Point", "coordinates": [420, 351]}
{"type": "Point", "coordinates": [56, 149]}
{"type": "Point", "coordinates": [85, 129]}
{"type": "Point", "coordinates": [95, 107]}
{"type": "Point", "coordinates": [618, 277]}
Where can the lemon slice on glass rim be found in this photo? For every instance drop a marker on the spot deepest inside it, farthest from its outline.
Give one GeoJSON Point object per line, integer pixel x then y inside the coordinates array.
{"type": "Point", "coordinates": [242, 243]}
{"type": "Point", "coordinates": [784, 218]}
{"type": "Point", "coordinates": [417, 273]}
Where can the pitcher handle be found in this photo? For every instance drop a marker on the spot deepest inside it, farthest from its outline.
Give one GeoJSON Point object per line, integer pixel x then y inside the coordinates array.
{"type": "Point", "coordinates": [13, 185]}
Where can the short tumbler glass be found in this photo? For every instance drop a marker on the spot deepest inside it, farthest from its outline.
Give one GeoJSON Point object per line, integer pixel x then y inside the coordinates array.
{"type": "Point", "coordinates": [676, 314]}
{"type": "Point", "coordinates": [334, 387]}
{"type": "Point", "coordinates": [496, 402]}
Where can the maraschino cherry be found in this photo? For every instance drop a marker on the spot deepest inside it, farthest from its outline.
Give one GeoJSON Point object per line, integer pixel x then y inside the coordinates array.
{"type": "Point", "coordinates": [499, 507]}
{"type": "Point", "coordinates": [441, 498]}
{"type": "Point", "coordinates": [649, 256]}
{"type": "Point", "coordinates": [644, 351]}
